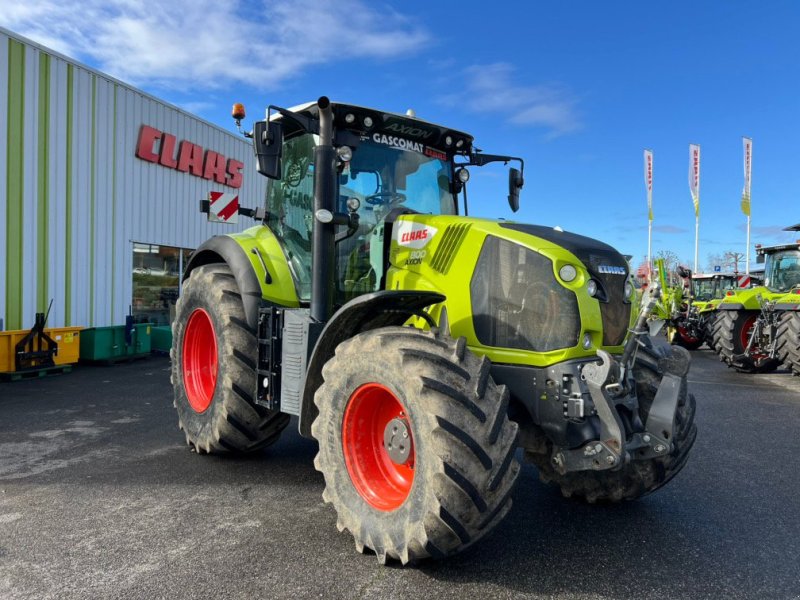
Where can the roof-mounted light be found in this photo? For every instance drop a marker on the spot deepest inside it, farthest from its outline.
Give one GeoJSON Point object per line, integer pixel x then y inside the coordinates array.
{"type": "Point", "coordinates": [237, 112]}
{"type": "Point", "coordinates": [368, 122]}
{"type": "Point", "coordinates": [349, 118]}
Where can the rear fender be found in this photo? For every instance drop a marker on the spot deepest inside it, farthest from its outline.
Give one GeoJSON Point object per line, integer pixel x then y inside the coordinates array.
{"type": "Point", "coordinates": [371, 311]}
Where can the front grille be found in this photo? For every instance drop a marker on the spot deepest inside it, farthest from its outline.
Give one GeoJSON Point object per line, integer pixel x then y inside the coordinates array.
{"type": "Point", "coordinates": [517, 302]}
{"type": "Point", "coordinates": [614, 310]}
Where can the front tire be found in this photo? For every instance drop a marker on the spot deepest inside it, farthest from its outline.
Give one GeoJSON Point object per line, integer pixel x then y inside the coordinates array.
{"type": "Point", "coordinates": [451, 481]}
{"type": "Point", "coordinates": [214, 356]}
{"type": "Point", "coordinates": [788, 341]}
{"type": "Point", "coordinates": [637, 478]}
{"type": "Point", "coordinates": [731, 334]}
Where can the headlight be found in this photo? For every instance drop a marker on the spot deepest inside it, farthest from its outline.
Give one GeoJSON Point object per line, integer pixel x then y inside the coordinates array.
{"type": "Point", "coordinates": [591, 288]}
{"type": "Point", "coordinates": [568, 273]}
{"type": "Point", "coordinates": [587, 341]}
{"type": "Point", "coordinates": [628, 290]}
{"type": "Point", "coordinates": [353, 204]}
{"type": "Point", "coordinates": [345, 153]}
{"type": "Point", "coordinates": [463, 175]}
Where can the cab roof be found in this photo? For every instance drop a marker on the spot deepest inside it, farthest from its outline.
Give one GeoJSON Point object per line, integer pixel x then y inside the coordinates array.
{"type": "Point", "coordinates": [352, 117]}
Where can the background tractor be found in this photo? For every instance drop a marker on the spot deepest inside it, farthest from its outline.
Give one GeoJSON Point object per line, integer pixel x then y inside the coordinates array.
{"type": "Point", "coordinates": [708, 291]}
{"type": "Point", "coordinates": [782, 270]}
{"type": "Point", "coordinates": [420, 348]}
{"type": "Point", "coordinates": [754, 330]}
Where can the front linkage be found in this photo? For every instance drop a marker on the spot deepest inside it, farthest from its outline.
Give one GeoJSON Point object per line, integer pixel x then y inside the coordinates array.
{"type": "Point", "coordinates": [761, 339]}
{"type": "Point", "coordinates": [611, 385]}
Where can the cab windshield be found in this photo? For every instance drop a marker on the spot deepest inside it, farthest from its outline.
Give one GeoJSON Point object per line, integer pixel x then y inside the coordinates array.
{"type": "Point", "coordinates": [782, 270]}
{"type": "Point", "coordinates": [703, 289]}
{"type": "Point", "coordinates": [381, 178]}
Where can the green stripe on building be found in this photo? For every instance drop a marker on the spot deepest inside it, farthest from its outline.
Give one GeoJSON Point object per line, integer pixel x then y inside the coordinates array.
{"type": "Point", "coordinates": [43, 185]}
{"type": "Point", "coordinates": [68, 201]}
{"type": "Point", "coordinates": [114, 210]}
{"type": "Point", "coordinates": [92, 201]}
{"type": "Point", "coordinates": [15, 147]}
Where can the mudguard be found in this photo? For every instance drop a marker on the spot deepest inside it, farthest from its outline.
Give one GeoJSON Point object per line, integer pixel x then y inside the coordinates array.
{"type": "Point", "coordinates": [222, 248]}
{"type": "Point", "coordinates": [379, 309]}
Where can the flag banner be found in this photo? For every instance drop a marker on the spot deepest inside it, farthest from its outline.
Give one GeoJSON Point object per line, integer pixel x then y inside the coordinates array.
{"type": "Point", "coordinates": [648, 181]}
{"type": "Point", "coordinates": [747, 143]}
{"type": "Point", "coordinates": [694, 176]}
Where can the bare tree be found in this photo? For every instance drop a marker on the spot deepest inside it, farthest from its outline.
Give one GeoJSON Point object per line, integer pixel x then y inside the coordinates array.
{"type": "Point", "coordinates": [732, 260]}
{"type": "Point", "coordinates": [670, 259]}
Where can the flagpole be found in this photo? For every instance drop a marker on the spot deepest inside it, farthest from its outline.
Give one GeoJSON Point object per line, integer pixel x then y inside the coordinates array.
{"type": "Point", "coordinates": [649, 245]}
{"type": "Point", "coordinates": [747, 254]}
{"type": "Point", "coordinates": [696, 239]}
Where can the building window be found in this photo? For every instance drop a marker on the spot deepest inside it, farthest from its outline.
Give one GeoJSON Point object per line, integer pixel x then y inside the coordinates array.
{"type": "Point", "coordinates": [156, 281]}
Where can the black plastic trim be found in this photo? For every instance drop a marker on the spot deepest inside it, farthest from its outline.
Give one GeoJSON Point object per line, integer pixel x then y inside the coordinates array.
{"type": "Point", "coordinates": [730, 306]}
{"type": "Point", "coordinates": [370, 311]}
{"type": "Point", "coordinates": [222, 248]}
{"type": "Point", "coordinates": [788, 306]}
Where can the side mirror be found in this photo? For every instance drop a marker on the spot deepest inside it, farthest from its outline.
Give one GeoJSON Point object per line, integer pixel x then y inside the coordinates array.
{"type": "Point", "coordinates": [515, 183]}
{"type": "Point", "coordinates": [761, 259]}
{"type": "Point", "coordinates": [268, 146]}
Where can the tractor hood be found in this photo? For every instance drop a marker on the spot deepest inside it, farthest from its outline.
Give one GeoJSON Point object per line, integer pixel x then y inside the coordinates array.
{"type": "Point", "coordinates": [516, 286]}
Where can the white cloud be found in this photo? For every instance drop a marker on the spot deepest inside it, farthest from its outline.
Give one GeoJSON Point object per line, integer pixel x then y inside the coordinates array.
{"type": "Point", "coordinates": [210, 44]}
{"type": "Point", "coordinates": [492, 89]}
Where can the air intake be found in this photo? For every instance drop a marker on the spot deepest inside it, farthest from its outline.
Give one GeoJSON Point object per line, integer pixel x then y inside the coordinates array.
{"type": "Point", "coordinates": [446, 252]}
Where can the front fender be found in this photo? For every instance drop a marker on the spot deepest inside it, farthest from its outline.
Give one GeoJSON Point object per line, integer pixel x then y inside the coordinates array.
{"type": "Point", "coordinates": [370, 311]}
{"type": "Point", "coordinates": [222, 248]}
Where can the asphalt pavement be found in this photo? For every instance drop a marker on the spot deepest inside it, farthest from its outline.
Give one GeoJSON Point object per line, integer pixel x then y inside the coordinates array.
{"type": "Point", "coordinates": [100, 498]}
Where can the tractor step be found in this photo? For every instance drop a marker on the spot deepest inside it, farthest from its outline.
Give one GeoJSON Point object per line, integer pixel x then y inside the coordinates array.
{"type": "Point", "coordinates": [34, 373]}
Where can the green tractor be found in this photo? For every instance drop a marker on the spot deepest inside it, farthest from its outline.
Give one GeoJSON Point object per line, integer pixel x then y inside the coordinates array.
{"type": "Point", "coordinates": [782, 270]}
{"type": "Point", "coordinates": [420, 348]}
{"type": "Point", "coordinates": [708, 291]}
{"type": "Point", "coordinates": [753, 328]}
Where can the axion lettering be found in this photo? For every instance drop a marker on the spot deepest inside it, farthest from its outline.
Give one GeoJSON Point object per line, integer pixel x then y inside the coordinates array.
{"type": "Point", "coordinates": [409, 130]}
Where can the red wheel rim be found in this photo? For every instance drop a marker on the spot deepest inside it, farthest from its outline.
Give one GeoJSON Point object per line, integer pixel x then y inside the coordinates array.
{"type": "Point", "coordinates": [199, 360]}
{"type": "Point", "coordinates": [382, 482]}
{"type": "Point", "coordinates": [686, 337]}
{"type": "Point", "coordinates": [755, 350]}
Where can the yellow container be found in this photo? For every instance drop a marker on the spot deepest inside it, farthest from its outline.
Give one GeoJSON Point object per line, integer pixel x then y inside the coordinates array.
{"type": "Point", "coordinates": [67, 338]}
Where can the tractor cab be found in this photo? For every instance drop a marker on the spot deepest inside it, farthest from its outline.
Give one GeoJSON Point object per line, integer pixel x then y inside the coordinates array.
{"type": "Point", "coordinates": [781, 267]}
{"type": "Point", "coordinates": [386, 165]}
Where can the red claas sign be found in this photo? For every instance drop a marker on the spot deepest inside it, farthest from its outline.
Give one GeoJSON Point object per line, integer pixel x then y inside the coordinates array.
{"type": "Point", "coordinates": [158, 147]}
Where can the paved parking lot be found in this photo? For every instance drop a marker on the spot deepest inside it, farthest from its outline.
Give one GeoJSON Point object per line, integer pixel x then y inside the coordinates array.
{"type": "Point", "coordinates": [100, 498]}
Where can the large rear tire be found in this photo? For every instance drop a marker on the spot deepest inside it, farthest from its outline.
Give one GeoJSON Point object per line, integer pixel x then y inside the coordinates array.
{"type": "Point", "coordinates": [637, 478]}
{"type": "Point", "coordinates": [788, 342]}
{"type": "Point", "coordinates": [214, 356]}
{"type": "Point", "coordinates": [415, 444]}
{"type": "Point", "coordinates": [731, 334]}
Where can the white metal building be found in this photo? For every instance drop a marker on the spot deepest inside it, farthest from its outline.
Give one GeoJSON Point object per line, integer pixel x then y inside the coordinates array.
{"type": "Point", "coordinates": [99, 191]}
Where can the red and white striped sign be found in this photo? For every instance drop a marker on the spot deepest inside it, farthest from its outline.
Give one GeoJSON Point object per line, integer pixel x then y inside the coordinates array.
{"type": "Point", "coordinates": [223, 208]}
{"type": "Point", "coordinates": [744, 281]}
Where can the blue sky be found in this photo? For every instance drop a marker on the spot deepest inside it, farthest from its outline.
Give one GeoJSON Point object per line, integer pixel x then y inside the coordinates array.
{"type": "Point", "coordinates": [579, 89]}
